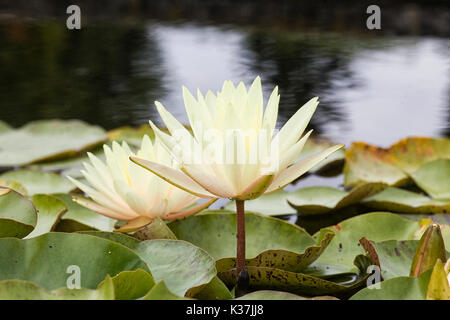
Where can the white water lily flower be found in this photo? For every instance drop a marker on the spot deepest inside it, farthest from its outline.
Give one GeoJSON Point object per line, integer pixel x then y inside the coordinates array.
{"type": "Point", "coordinates": [124, 191]}
{"type": "Point", "coordinates": [234, 122]}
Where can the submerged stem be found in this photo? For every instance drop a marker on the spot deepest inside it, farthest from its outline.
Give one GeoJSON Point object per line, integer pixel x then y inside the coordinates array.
{"type": "Point", "coordinates": [240, 255]}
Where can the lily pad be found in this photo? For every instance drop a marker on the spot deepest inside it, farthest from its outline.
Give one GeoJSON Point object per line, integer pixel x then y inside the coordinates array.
{"type": "Point", "coordinates": [214, 290]}
{"type": "Point", "coordinates": [270, 242]}
{"type": "Point", "coordinates": [393, 165]}
{"type": "Point", "coordinates": [37, 182]}
{"type": "Point", "coordinates": [365, 163]}
{"type": "Point", "coordinates": [180, 264]}
{"type": "Point", "coordinates": [47, 139]}
{"type": "Point", "coordinates": [321, 200]}
{"type": "Point", "coordinates": [271, 204]}
{"type": "Point", "coordinates": [263, 278]}
{"type": "Point", "coordinates": [279, 295]}
{"type": "Point", "coordinates": [79, 218]}
{"type": "Point", "coordinates": [4, 127]}
{"type": "Point", "coordinates": [399, 200]}
{"type": "Point", "coordinates": [434, 178]}
{"type": "Point", "coordinates": [400, 288]}
{"type": "Point", "coordinates": [439, 286]}
{"type": "Point", "coordinates": [49, 211]}
{"type": "Point", "coordinates": [17, 214]}
{"type": "Point", "coordinates": [45, 260]}
{"type": "Point", "coordinates": [25, 290]}
{"type": "Point", "coordinates": [160, 291]}
{"type": "Point", "coordinates": [376, 226]}
{"type": "Point", "coordinates": [131, 285]}
{"type": "Point", "coordinates": [394, 257]}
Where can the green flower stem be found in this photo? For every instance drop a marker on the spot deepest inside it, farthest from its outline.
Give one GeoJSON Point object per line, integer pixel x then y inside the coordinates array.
{"type": "Point", "coordinates": [240, 255]}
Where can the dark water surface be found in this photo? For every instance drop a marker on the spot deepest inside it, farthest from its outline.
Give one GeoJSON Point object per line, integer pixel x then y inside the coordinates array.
{"type": "Point", "coordinates": [376, 86]}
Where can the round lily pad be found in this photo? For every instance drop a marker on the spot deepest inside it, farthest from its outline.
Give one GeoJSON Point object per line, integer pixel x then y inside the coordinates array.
{"type": "Point", "coordinates": [47, 139]}
{"type": "Point", "coordinates": [434, 178]}
{"type": "Point", "coordinates": [17, 214]}
{"type": "Point", "coordinates": [49, 211]}
{"type": "Point", "coordinates": [39, 182]}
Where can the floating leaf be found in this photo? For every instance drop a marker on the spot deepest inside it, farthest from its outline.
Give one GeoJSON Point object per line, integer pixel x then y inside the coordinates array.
{"type": "Point", "coordinates": [155, 230]}
{"type": "Point", "coordinates": [180, 264]}
{"type": "Point", "coordinates": [160, 291]}
{"type": "Point", "coordinates": [399, 200]}
{"type": "Point", "coordinates": [279, 295]}
{"type": "Point", "coordinates": [400, 288]}
{"type": "Point", "coordinates": [214, 290]}
{"type": "Point", "coordinates": [430, 248]}
{"type": "Point", "coordinates": [394, 257]}
{"type": "Point", "coordinates": [47, 139]}
{"type": "Point", "coordinates": [434, 178]}
{"type": "Point", "coordinates": [4, 127]}
{"type": "Point", "coordinates": [439, 286]}
{"type": "Point", "coordinates": [131, 285]}
{"type": "Point", "coordinates": [49, 211]}
{"type": "Point", "coordinates": [270, 242]}
{"type": "Point", "coordinates": [25, 290]}
{"type": "Point", "coordinates": [376, 226]}
{"type": "Point", "coordinates": [44, 260]}
{"type": "Point", "coordinates": [262, 278]}
{"type": "Point", "coordinates": [321, 200]}
{"type": "Point", "coordinates": [79, 218]}
{"type": "Point", "coordinates": [17, 214]}
{"type": "Point", "coordinates": [366, 163]}
{"type": "Point", "coordinates": [36, 182]}
{"type": "Point", "coordinates": [215, 232]}
{"type": "Point", "coordinates": [123, 239]}
{"type": "Point", "coordinates": [271, 204]}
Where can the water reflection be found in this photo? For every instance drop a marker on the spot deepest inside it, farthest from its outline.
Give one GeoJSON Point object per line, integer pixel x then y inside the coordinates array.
{"type": "Point", "coordinates": [376, 89]}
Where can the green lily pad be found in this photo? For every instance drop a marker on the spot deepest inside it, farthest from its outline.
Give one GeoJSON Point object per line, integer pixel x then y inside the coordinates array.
{"type": "Point", "coordinates": [79, 218]}
{"type": "Point", "coordinates": [271, 204]}
{"type": "Point", "coordinates": [45, 260]}
{"type": "Point", "coordinates": [133, 136]}
{"type": "Point", "coordinates": [215, 232]}
{"type": "Point", "coordinates": [160, 291]}
{"type": "Point", "coordinates": [214, 290]}
{"type": "Point", "coordinates": [17, 214]}
{"type": "Point", "coordinates": [366, 163]}
{"type": "Point", "coordinates": [434, 178]}
{"type": "Point", "coordinates": [47, 139]}
{"type": "Point", "coordinates": [393, 257]}
{"type": "Point", "coordinates": [123, 239]}
{"type": "Point", "coordinates": [183, 266]}
{"type": "Point", "coordinates": [399, 200]}
{"type": "Point", "coordinates": [376, 226]}
{"type": "Point", "coordinates": [131, 285]}
{"type": "Point", "coordinates": [36, 182]}
{"type": "Point", "coordinates": [321, 200]}
{"type": "Point", "coordinates": [400, 288]}
{"type": "Point", "coordinates": [263, 278]}
{"type": "Point", "coordinates": [279, 295]}
{"type": "Point", "coordinates": [332, 165]}
{"type": "Point", "coordinates": [439, 287]}
{"type": "Point", "coordinates": [49, 211]}
{"type": "Point", "coordinates": [25, 290]}
{"type": "Point", "coordinates": [270, 242]}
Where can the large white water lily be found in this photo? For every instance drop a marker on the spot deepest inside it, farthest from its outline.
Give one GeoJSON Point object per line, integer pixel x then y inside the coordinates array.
{"type": "Point", "coordinates": [234, 151]}
{"type": "Point", "coordinates": [122, 190]}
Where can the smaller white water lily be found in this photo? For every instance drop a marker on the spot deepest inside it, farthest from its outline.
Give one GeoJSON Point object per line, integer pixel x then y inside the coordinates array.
{"type": "Point", "coordinates": [124, 191]}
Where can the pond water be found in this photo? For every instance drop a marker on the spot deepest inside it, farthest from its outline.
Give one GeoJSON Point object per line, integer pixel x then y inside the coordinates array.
{"type": "Point", "coordinates": [376, 86]}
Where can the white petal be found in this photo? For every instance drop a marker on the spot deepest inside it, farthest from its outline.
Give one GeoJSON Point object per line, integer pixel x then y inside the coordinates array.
{"type": "Point", "coordinates": [293, 129]}
{"type": "Point", "coordinates": [296, 170]}
{"type": "Point", "coordinates": [175, 177]}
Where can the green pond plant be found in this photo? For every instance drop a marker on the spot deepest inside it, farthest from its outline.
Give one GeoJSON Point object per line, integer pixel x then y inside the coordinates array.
{"type": "Point", "coordinates": [235, 151]}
